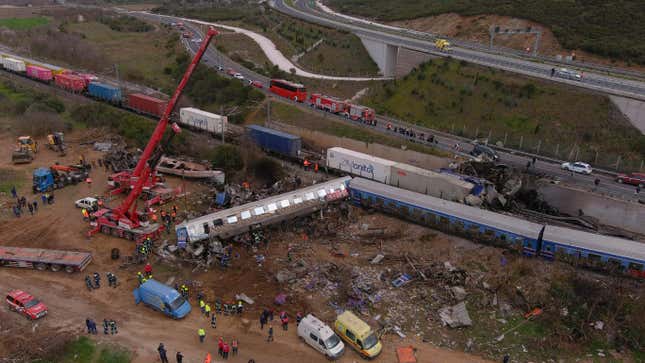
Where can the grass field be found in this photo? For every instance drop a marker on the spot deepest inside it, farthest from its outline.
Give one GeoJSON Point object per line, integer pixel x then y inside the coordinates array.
{"type": "Point", "coordinates": [611, 28]}
{"type": "Point", "coordinates": [23, 23]}
{"type": "Point", "coordinates": [538, 116]}
{"type": "Point", "coordinates": [342, 52]}
{"type": "Point", "coordinates": [84, 350]}
{"type": "Point", "coordinates": [330, 125]}
{"type": "Point", "coordinates": [141, 57]}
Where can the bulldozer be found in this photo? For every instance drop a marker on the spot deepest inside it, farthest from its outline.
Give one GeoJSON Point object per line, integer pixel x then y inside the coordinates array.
{"type": "Point", "coordinates": [26, 148]}
{"type": "Point", "coordinates": [442, 44]}
{"type": "Point", "coordinates": [56, 142]}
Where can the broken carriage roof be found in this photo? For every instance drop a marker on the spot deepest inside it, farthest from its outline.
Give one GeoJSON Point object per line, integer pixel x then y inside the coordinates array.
{"type": "Point", "coordinates": [269, 205]}
{"type": "Point", "coordinates": [563, 236]}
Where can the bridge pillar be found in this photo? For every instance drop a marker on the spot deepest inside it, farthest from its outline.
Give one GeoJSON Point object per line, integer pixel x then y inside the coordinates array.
{"type": "Point", "coordinates": [383, 54]}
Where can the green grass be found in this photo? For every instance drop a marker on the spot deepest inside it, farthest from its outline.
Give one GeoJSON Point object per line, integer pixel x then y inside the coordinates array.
{"type": "Point", "coordinates": [141, 56]}
{"type": "Point", "coordinates": [85, 350]}
{"type": "Point", "coordinates": [611, 28]}
{"type": "Point", "coordinates": [477, 102]}
{"type": "Point", "coordinates": [342, 52]}
{"type": "Point", "coordinates": [313, 121]}
{"type": "Point", "coordinates": [23, 23]}
{"type": "Point", "coordinates": [11, 178]}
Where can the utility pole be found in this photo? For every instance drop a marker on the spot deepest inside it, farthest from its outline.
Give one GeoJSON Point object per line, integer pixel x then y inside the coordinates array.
{"type": "Point", "coordinates": [221, 112]}
{"type": "Point", "coordinates": [268, 112]}
{"type": "Point", "coordinates": [116, 71]}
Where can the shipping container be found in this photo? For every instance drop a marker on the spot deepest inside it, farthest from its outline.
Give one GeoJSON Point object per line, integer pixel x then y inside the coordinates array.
{"type": "Point", "coordinates": [366, 166]}
{"type": "Point", "coordinates": [14, 65]}
{"type": "Point", "coordinates": [202, 120]}
{"type": "Point", "coordinates": [39, 73]}
{"type": "Point", "coordinates": [327, 103]}
{"type": "Point", "coordinates": [104, 92]}
{"type": "Point", "coordinates": [429, 182]}
{"type": "Point", "coordinates": [275, 141]}
{"type": "Point", "coordinates": [70, 82]}
{"type": "Point", "coordinates": [146, 104]}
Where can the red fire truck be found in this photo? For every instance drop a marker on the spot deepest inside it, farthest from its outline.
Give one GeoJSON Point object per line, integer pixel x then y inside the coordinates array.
{"type": "Point", "coordinates": [327, 103]}
{"type": "Point", "coordinates": [290, 90]}
{"type": "Point", "coordinates": [359, 113]}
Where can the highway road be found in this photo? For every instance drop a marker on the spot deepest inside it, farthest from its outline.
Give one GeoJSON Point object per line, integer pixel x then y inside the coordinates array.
{"type": "Point", "coordinates": [443, 141]}
{"type": "Point", "coordinates": [593, 81]}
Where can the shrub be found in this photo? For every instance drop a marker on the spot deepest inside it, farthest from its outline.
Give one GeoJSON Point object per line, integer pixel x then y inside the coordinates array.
{"type": "Point", "coordinates": [228, 158]}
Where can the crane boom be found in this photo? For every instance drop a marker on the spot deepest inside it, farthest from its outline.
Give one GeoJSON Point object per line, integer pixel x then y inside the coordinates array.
{"type": "Point", "coordinates": [143, 170]}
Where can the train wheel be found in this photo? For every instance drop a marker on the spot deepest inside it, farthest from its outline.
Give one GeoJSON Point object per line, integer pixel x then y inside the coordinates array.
{"type": "Point", "coordinates": [69, 269]}
{"type": "Point", "coordinates": [41, 266]}
{"type": "Point", "coordinates": [54, 267]}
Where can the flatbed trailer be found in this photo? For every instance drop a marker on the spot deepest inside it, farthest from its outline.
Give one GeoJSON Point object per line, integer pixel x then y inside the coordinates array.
{"type": "Point", "coordinates": [43, 259]}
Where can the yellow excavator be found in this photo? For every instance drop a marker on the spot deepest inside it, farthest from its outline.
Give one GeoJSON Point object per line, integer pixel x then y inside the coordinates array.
{"type": "Point", "coordinates": [26, 148]}
{"type": "Point", "coordinates": [56, 142]}
{"type": "Point", "coordinates": [442, 44]}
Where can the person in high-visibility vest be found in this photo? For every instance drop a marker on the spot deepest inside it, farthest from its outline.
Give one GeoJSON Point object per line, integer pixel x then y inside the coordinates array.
{"type": "Point", "coordinates": [316, 167]}
{"type": "Point", "coordinates": [85, 214]}
{"type": "Point", "coordinates": [202, 305]}
{"type": "Point", "coordinates": [207, 310]}
{"type": "Point", "coordinates": [306, 163]}
{"type": "Point", "coordinates": [202, 335]}
{"type": "Point", "coordinates": [154, 218]}
{"type": "Point", "coordinates": [208, 358]}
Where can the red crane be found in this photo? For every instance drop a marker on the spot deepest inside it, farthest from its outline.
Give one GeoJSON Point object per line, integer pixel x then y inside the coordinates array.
{"type": "Point", "coordinates": [124, 221]}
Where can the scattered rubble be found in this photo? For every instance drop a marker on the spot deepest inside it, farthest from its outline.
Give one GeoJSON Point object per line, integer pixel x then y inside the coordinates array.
{"type": "Point", "coordinates": [455, 316]}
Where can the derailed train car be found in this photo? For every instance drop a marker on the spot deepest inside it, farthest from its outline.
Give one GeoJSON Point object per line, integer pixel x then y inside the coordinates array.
{"type": "Point", "coordinates": [585, 249]}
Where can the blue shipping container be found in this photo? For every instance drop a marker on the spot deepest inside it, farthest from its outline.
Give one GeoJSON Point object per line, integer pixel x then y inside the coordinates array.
{"type": "Point", "coordinates": [275, 141]}
{"type": "Point", "coordinates": [104, 92]}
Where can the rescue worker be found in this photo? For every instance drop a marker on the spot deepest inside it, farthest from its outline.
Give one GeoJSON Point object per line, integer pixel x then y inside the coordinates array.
{"type": "Point", "coordinates": [31, 209]}
{"type": "Point", "coordinates": [202, 306]}
{"type": "Point", "coordinates": [154, 218]}
{"type": "Point", "coordinates": [140, 277]}
{"type": "Point", "coordinates": [180, 357]}
{"type": "Point", "coordinates": [93, 327]}
{"type": "Point", "coordinates": [88, 283]}
{"type": "Point", "coordinates": [88, 325]}
{"type": "Point", "coordinates": [97, 280]}
{"type": "Point", "coordinates": [185, 289]}
{"type": "Point", "coordinates": [218, 306]}
{"type": "Point", "coordinates": [220, 346]}
{"type": "Point", "coordinates": [263, 321]}
{"type": "Point", "coordinates": [202, 335]}
{"type": "Point", "coordinates": [85, 214]}
{"type": "Point", "coordinates": [106, 325]}
{"type": "Point", "coordinates": [173, 216]}
{"type": "Point", "coordinates": [240, 307]}
{"type": "Point", "coordinates": [174, 208]}
{"type": "Point", "coordinates": [298, 318]}
{"type": "Point", "coordinates": [306, 163]}
{"type": "Point", "coordinates": [35, 206]}
{"type": "Point", "coordinates": [162, 353]}
{"type": "Point", "coordinates": [285, 322]}
{"type": "Point", "coordinates": [207, 310]}
{"type": "Point", "coordinates": [113, 327]}
{"type": "Point", "coordinates": [270, 337]}
{"type": "Point", "coordinates": [214, 321]}
{"type": "Point", "coordinates": [148, 269]}
{"type": "Point", "coordinates": [316, 167]}
{"type": "Point", "coordinates": [234, 345]}
{"type": "Point", "coordinates": [225, 349]}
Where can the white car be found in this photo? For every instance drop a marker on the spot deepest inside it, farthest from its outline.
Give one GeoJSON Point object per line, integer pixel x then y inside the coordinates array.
{"type": "Point", "coordinates": [578, 167]}
{"type": "Point", "coordinates": [238, 76]}
{"type": "Point", "coordinates": [87, 203]}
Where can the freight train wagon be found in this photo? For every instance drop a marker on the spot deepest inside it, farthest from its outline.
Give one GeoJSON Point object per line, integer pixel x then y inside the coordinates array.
{"type": "Point", "coordinates": [105, 92]}
{"type": "Point", "coordinates": [590, 250]}
{"type": "Point", "coordinates": [70, 82]}
{"type": "Point", "coordinates": [275, 141]}
{"type": "Point", "coordinates": [145, 104]}
{"type": "Point", "coordinates": [204, 121]}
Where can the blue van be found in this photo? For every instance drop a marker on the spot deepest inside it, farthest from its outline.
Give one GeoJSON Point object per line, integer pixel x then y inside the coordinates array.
{"type": "Point", "coordinates": [162, 298]}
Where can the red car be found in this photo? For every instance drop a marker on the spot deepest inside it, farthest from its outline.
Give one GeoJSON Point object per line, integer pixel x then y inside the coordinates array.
{"type": "Point", "coordinates": [633, 179]}
{"type": "Point", "coordinates": [231, 71]}
{"type": "Point", "coordinates": [257, 84]}
{"type": "Point", "coordinates": [26, 304]}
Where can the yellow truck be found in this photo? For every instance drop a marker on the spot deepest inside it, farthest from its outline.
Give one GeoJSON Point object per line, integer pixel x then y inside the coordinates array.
{"type": "Point", "coordinates": [358, 335]}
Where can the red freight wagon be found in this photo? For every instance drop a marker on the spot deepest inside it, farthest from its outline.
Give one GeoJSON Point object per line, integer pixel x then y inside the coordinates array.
{"type": "Point", "coordinates": [146, 104]}
{"type": "Point", "coordinates": [327, 103]}
{"type": "Point", "coordinates": [40, 73]}
{"type": "Point", "coordinates": [70, 82]}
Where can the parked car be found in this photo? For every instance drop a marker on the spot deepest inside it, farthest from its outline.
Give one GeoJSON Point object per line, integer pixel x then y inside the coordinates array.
{"type": "Point", "coordinates": [568, 74]}
{"type": "Point", "coordinates": [578, 167]}
{"type": "Point", "coordinates": [220, 68]}
{"type": "Point", "coordinates": [633, 179]}
{"type": "Point", "coordinates": [256, 84]}
{"type": "Point", "coordinates": [26, 304]}
{"type": "Point", "coordinates": [320, 336]}
{"type": "Point", "coordinates": [231, 72]}
{"type": "Point", "coordinates": [485, 151]}
{"type": "Point", "coordinates": [238, 76]}
{"type": "Point", "coordinates": [88, 203]}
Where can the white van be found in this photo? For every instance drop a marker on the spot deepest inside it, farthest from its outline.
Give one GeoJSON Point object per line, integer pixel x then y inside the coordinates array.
{"type": "Point", "coordinates": [320, 336]}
